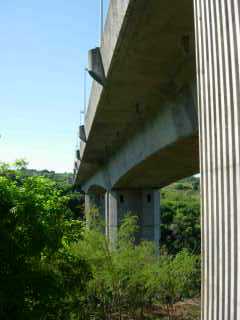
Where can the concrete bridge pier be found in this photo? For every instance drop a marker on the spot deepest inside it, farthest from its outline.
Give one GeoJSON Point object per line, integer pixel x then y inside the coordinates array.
{"type": "Point", "coordinates": [217, 26]}
{"type": "Point", "coordinates": [143, 203]}
{"type": "Point", "coordinates": [95, 200]}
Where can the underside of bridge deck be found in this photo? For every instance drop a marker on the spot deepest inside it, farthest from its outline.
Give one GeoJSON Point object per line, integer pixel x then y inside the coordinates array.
{"type": "Point", "coordinates": [148, 66]}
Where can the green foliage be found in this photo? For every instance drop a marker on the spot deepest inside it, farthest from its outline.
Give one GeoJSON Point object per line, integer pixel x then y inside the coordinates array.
{"type": "Point", "coordinates": [180, 215]}
{"type": "Point", "coordinates": [175, 277]}
{"type": "Point", "coordinates": [179, 186]}
{"type": "Point", "coordinates": [127, 279]}
{"type": "Point", "coordinates": [40, 278]}
{"type": "Point", "coordinates": [20, 164]}
{"type": "Point", "coordinates": [54, 266]}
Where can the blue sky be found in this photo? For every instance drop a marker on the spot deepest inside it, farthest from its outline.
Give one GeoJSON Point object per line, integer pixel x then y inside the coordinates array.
{"type": "Point", "coordinates": [43, 51]}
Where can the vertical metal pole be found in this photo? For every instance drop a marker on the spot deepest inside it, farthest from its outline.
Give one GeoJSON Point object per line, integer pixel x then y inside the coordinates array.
{"type": "Point", "coordinates": [84, 108]}
{"type": "Point", "coordinates": [85, 91]}
{"type": "Point", "coordinates": [101, 21]}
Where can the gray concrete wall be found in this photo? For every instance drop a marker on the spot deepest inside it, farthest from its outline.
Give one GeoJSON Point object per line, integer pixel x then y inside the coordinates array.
{"type": "Point", "coordinates": [150, 220]}
{"type": "Point", "coordinates": [111, 215]}
{"type": "Point", "coordinates": [95, 201]}
{"type": "Point", "coordinates": [145, 204]}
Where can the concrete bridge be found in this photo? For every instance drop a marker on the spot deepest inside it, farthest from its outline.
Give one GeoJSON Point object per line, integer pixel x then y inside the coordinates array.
{"type": "Point", "coordinates": [166, 94]}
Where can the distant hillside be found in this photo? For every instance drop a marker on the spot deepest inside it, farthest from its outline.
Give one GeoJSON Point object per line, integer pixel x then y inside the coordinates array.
{"type": "Point", "coordinates": [65, 178]}
{"type": "Point", "coordinates": [183, 189]}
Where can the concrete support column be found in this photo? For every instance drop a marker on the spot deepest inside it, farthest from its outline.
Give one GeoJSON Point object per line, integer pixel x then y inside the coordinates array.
{"type": "Point", "coordinates": [111, 205]}
{"type": "Point", "coordinates": [217, 26]}
{"type": "Point", "coordinates": [95, 201]}
{"type": "Point", "coordinates": [145, 204]}
{"type": "Point", "coordinates": [150, 217]}
{"type": "Point", "coordinates": [88, 203]}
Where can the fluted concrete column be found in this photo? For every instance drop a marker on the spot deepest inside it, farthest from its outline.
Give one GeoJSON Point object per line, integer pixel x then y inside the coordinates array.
{"type": "Point", "coordinates": [143, 203]}
{"type": "Point", "coordinates": [217, 28]}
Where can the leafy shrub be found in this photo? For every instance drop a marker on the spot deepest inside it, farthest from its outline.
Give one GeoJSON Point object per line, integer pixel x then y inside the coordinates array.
{"type": "Point", "coordinates": [130, 277]}
{"type": "Point", "coordinates": [39, 276]}
{"type": "Point", "coordinates": [180, 228]}
{"type": "Point", "coordinates": [180, 186]}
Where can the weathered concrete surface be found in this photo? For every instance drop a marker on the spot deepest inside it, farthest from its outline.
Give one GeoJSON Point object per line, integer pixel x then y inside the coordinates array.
{"type": "Point", "coordinates": [164, 150]}
{"type": "Point", "coordinates": [148, 57]}
{"type": "Point", "coordinates": [145, 204]}
{"type": "Point", "coordinates": [95, 201]}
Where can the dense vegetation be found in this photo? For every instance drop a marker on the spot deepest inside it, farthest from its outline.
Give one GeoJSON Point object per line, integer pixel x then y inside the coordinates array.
{"type": "Point", "coordinates": [180, 215]}
{"type": "Point", "coordinates": [131, 279]}
{"type": "Point", "coordinates": [39, 277]}
{"type": "Point", "coordinates": [53, 266]}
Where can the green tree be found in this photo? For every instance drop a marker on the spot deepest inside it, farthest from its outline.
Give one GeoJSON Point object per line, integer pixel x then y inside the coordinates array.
{"type": "Point", "coordinates": [180, 216]}
{"type": "Point", "coordinates": [39, 277]}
